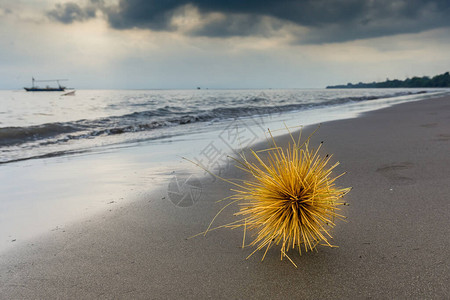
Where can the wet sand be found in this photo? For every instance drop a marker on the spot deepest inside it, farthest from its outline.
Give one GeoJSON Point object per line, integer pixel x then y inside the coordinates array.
{"type": "Point", "coordinates": [395, 243]}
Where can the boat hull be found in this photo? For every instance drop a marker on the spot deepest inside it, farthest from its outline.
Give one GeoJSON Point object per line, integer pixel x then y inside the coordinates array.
{"type": "Point", "coordinates": [45, 89]}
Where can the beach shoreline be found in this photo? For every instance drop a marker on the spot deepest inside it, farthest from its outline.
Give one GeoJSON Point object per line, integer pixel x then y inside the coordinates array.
{"type": "Point", "coordinates": [41, 194]}
{"type": "Point", "coordinates": [394, 245]}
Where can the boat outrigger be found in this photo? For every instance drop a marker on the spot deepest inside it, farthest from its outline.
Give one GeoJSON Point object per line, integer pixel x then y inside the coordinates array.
{"type": "Point", "coordinates": [35, 88]}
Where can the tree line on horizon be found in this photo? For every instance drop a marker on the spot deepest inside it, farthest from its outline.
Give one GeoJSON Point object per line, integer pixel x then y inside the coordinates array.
{"type": "Point", "coordinates": [442, 80]}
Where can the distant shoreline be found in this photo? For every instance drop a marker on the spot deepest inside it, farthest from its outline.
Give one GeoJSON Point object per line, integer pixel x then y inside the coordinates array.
{"type": "Point", "coordinates": [438, 81]}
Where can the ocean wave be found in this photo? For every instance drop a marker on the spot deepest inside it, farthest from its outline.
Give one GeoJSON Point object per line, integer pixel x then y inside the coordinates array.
{"type": "Point", "coordinates": [18, 135]}
{"type": "Point", "coordinates": [166, 116]}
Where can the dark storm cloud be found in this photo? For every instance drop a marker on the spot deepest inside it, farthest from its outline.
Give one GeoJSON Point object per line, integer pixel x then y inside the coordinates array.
{"type": "Point", "coordinates": [154, 15]}
{"type": "Point", "coordinates": [327, 20]}
{"type": "Point", "coordinates": [70, 12]}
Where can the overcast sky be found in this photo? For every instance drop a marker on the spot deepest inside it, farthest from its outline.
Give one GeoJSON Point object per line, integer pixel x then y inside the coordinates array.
{"type": "Point", "coordinates": [127, 44]}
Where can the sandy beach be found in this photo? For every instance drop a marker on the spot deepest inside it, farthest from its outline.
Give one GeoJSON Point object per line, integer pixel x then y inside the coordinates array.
{"type": "Point", "coordinates": [394, 245]}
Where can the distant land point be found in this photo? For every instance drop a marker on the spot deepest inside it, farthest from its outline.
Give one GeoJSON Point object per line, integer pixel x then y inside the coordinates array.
{"type": "Point", "coordinates": [438, 81]}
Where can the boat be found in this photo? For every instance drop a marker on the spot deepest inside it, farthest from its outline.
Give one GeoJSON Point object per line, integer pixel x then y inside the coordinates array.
{"type": "Point", "coordinates": [35, 88]}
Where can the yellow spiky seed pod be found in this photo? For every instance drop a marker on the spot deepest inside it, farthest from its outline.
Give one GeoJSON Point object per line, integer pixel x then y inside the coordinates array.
{"type": "Point", "coordinates": [291, 198]}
